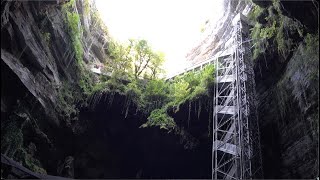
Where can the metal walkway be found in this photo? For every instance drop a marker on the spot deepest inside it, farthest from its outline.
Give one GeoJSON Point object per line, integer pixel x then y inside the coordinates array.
{"type": "Point", "coordinates": [236, 152]}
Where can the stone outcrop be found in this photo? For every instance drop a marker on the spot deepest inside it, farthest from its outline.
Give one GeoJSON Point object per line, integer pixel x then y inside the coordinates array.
{"type": "Point", "coordinates": [37, 62]}
{"type": "Point", "coordinates": [36, 47]}
{"type": "Point", "coordinates": [288, 114]}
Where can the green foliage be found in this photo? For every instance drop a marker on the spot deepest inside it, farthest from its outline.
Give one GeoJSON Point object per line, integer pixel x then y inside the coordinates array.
{"type": "Point", "coordinates": [85, 79]}
{"type": "Point", "coordinates": [46, 36]}
{"type": "Point", "coordinates": [181, 90]}
{"type": "Point", "coordinates": [115, 83]}
{"type": "Point", "coordinates": [276, 5]}
{"type": "Point", "coordinates": [185, 88]}
{"type": "Point", "coordinates": [12, 141]}
{"type": "Point", "coordinates": [142, 57]}
{"type": "Point", "coordinates": [121, 60]}
{"type": "Point", "coordinates": [155, 97]}
{"type": "Point", "coordinates": [283, 44]}
{"type": "Point", "coordinates": [11, 136]}
{"type": "Point", "coordinates": [67, 99]}
{"type": "Point", "coordinates": [72, 96]}
{"type": "Point", "coordinates": [268, 32]}
{"type": "Point", "coordinates": [29, 162]}
{"type": "Point", "coordinates": [312, 44]}
{"type": "Point", "coordinates": [134, 93]}
{"type": "Point", "coordinates": [207, 77]}
{"type": "Point", "coordinates": [72, 20]}
{"type": "Point", "coordinates": [198, 83]}
{"type": "Point", "coordinates": [255, 12]}
{"type": "Point", "coordinates": [259, 43]}
{"type": "Point", "coordinates": [156, 63]}
{"type": "Point", "coordinates": [276, 32]}
{"type": "Point", "coordinates": [159, 117]}
{"type": "Point", "coordinates": [135, 69]}
{"type": "Point", "coordinates": [135, 60]}
{"type": "Point", "coordinates": [100, 86]}
{"type": "Point", "coordinates": [156, 94]}
{"type": "Point", "coordinates": [86, 5]}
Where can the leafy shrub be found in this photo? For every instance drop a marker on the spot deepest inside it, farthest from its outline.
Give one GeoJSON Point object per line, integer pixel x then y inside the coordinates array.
{"type": "Point", "coordinates": [11, 137]}
{"type": "Point", "coordinates": [29, 162]}
{"type": "Point", "coordinates": [279, 31]}
{"type": "Point", "coordinates": [155, 94]}
{"type": "Point", "coordinates": [256, 11]}
{"type": "Point", "coordinates": [180, 91]}
{"type": "Point", "coordinates": [86, 5]}
{"type": "Point", "coordinates": [159, 117]}
{"type": "Point", "coordinates": [185, 88]}
{"type": "Point", "coordinates": [72, 20]}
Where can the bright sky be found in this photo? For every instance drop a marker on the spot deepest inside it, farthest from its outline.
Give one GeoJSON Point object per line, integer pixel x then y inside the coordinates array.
{"type": "Point", "coordinates": [170, 26]}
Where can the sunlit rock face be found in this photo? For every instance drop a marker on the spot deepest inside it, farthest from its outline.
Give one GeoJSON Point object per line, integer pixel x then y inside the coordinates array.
{"type": "Point", "coordinates": [218, 33]}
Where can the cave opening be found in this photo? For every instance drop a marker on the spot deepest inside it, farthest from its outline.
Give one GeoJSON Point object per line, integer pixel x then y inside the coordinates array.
{"type": "Point", "coordinates": [115, 147]}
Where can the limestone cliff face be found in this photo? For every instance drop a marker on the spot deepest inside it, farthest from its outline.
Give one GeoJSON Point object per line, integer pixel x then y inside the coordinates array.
{"type": "Point", "coordinates": [287, 90]}
{"type": "Point", "coordinates": [37, 61]}
{"type": "Point", "coordinates": [36, 47]}
{"type": "Point", "coordinates": [216, 35]}
{"type": "Point", "coordinates": [288, 115]}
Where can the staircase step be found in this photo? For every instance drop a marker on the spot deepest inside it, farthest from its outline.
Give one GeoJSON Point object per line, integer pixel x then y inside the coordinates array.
{"type": "Point", "coordinates": [225, 109]}
{"type": "Point", "coordinates": [226, 78]}
{"type": "Point", "coordinates": [227, 147]}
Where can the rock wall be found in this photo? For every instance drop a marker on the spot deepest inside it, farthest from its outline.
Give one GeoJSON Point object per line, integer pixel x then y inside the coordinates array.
{"type": "Point", "coordinates": [287, 101]}
{"type": "Point", "coordinates": [289, 130]}
{"type": "Point", "coordinates": [219, 33]}
{"type": "Point", "coordinates": [37, 64]}
{"type": "Point", "coordinates": [286, 87]}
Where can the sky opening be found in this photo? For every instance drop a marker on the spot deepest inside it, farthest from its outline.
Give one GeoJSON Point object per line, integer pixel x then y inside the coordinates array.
{"type": "Point", "coordinates": [170, 26]}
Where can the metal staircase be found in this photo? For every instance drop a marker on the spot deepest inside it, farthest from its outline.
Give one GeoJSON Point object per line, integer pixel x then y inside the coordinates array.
{"type": "Point", "coordinates": [236, 144]}
{"type": "Point", "coordinates": [236, 148]}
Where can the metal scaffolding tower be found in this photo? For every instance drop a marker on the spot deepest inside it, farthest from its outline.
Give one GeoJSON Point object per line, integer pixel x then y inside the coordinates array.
{"type": "Point", "coordinates": [236, 148]}
{"type": "Point", "coordinates": [236, 141]}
